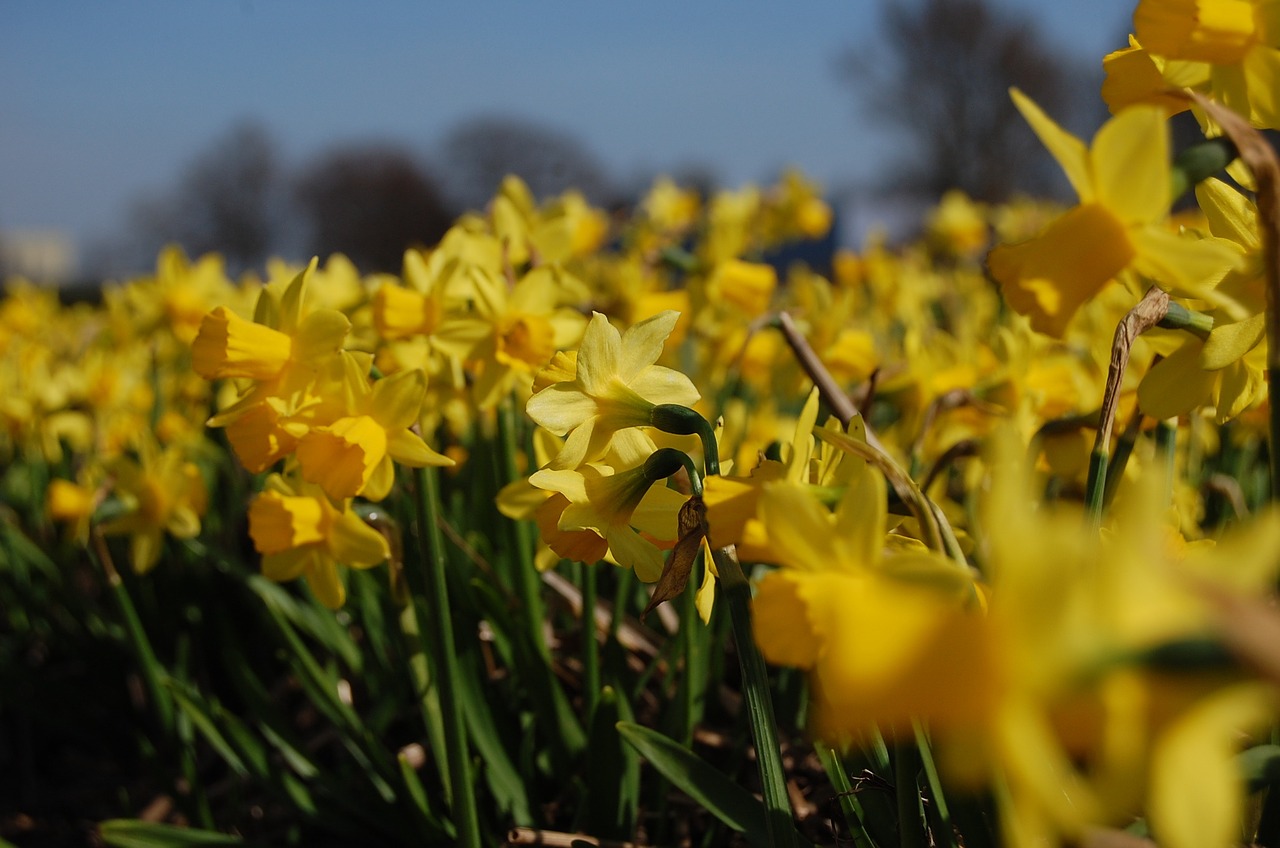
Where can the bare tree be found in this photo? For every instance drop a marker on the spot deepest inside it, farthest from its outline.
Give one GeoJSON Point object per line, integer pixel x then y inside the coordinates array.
{"type": "Point", "coordinates": [227, 200]}
{"type": "Point", "coordinates": [940, 80]}
{"type": "Point", "coordinates": [370, 203]}
{"type": "Point", "coordinates": [480, 152]}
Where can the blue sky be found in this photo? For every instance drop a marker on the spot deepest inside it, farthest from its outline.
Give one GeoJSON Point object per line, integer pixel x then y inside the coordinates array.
{"type": "Point", "coordinates": [103, 102]}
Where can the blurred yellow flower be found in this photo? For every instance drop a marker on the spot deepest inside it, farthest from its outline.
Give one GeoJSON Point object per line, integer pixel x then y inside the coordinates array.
{"type": "Point", "coordinates": [162, 492]}
{"type": "Point", "coordinates": [301, 534]}
{"type": "Point", "coordinates": [1124, 189]}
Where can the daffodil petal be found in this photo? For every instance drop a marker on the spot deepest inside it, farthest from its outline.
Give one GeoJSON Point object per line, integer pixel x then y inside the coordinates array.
{"type": "Point", "coordinates": [320, 335]}
{"type": "Point", "coordinates": [397, 400]}
{"type": "Point", "coordinates": [561, 407]}
{"type": "Point", "coordinates": [658, 384]}
{"type": "Point", "coordinates": [1227, 343]}
{"type": "Point", "coordinates": [1202, 742]}
{"type": "Point", "coordinates": [287, 565]}
{"type": "Point", "coordinates": [799, 527]}
{"type": "Point", "coordinates": [643, 342]}
{"type": "Point", "coordinates": [326, 583]}
{"type": "Point", "coordinates": [1130, 158]}
{"type": "Point", "coordinates": [354, 543]}
{"type": "Point", "coordinates": [1176, 384]}
{"type": "Point", "coordinates": [599, 356]}
{"type": "Point", "coordinates": [1230, 213]}
{"type": "Point", "coordinates": [408, 448]}
{"type": "Point", "coordinates": [1183, 264]}
{"type": "Point", "coordinates": [632, 551]}
{"type": "Point", "coordinates": [658, 511]}
{"type": "Point", "coordinates": [780, 621]}
{"type": "Point", "coordinates": [1070, 151]}
{"type": "Point", "coordinates": [860, 516]}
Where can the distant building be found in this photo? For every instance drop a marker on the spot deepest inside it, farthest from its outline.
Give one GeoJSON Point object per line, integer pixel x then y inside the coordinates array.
{"type": "Point", "coordinates": [42, 256]}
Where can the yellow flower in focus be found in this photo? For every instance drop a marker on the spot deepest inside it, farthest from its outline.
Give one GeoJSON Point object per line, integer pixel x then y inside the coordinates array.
{"type": "Point", "coordinates": [618, 505]}
{"type": "Point", "coordinates": [353, 455]}
{"type": "Point", "coordinates": [301, 534]}
{"type": "Point", "coordinates": [1124, 189]}
{"type": "Point", "coordinates": [616, 386]}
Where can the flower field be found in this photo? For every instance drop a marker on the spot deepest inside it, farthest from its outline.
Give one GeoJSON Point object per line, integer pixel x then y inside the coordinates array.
{"type": "Point", "coordinates": [592, 529]}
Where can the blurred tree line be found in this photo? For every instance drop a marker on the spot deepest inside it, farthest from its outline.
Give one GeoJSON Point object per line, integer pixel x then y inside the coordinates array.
{"type": "Point", "coordinates": [368, 200]}
{"type": "Point", "coordinates": [934, 80]}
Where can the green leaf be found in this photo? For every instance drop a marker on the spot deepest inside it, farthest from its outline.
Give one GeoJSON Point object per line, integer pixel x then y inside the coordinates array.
{"type": "Point", "coordinates": [719, 795]}
{"type": "Point", "coordinates": [131, 833]}
{"type": "Point", "coordinates": [612, 773]}
{"type": "Point", "coordinates": [207, 728]}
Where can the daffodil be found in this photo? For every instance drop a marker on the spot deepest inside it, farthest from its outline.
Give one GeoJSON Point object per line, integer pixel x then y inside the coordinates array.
{"type": "Point", "coordinates": [616, 385]}
{"type": "Point", "coordinates": [280, 354]}
{"type": "Point", "coordinates": [1123, 184]}
{"type": "Point", "coordinates": [618, 504]}
{"type": "Point", "coordinates": [747, 286]}
{"type": "Point", "coordinates": [228, 346]}
{"type": "Point", "coordinates": [876, 633]}
{"type": "Point", "coordinates": [161, 491]}
{"type": "Point", "coordinates": [353, 454]}
{"type": "Point", "coordinates": [1226, 369]}
{"type": "Point", "coordinates": [300, 533]}
{"type": "Point", "coordinates": [524, 327]}
{"type": "Point", "coordinates": [1239, 41]}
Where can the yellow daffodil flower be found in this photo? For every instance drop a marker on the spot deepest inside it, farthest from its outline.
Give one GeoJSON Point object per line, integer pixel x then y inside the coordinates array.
{"type": "Point", "coordinates": [619, 505]}
{"type": "Point", "coordinates": [1239, 40]}
{"type": "Point", "coordinates": [1123, 184]}
{"type": "Point", "coordinates": [1228, 368]}
{"type": "Point", "coordinates": [162, 492]}
{"type": "Point", "coordinates": [876, 633]}
{"type": "Point", "coordinates": [353, 454]}
{"type": "Point", "coordinates": [280, 352]}
{"type": "Point", "coordinates": [301, 534]}
{"type": "Point", "coordinates": [616, 385]}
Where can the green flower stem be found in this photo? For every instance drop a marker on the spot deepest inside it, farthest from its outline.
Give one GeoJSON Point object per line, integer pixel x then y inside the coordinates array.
{"type": "Point", "coordinates": [683, 421]}
{"type": "Point", "coordinates": [590, 649]}
{"type": "Point", "coordinates": [1200, 161]}
{"type": "Point", "coordinates": [664, 462]}
{"type": "Point", "coordinates": [755, 680]}
{"type": "Point", "coordinates": [854, 816]}
{"type": "Point", "coordinates": [940, 806]}
{"type": "Point", "coordinates": [691, 631]}
{"type": "Point", "coordinates": [153, 674]}
{"type": "Point", "coordinates": [1179, 317]}
{"type": "Point", "coordinates": [1120, 459]}
{"type": "Point", "coordinates": [428, 581]}
{"type": "Point", "coordinates": [906, 767]}
{"type": "Point", "coordinates": [528, 585]}
{"type": "Point", "coordinates": [1095, 489]}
